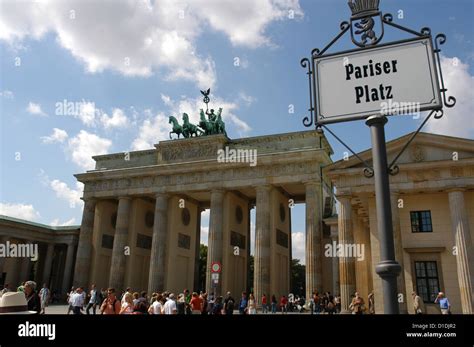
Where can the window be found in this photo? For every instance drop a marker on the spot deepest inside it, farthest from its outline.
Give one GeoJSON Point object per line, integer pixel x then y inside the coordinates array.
{"type": "Point", "coordinates": [237, 239]}
{"type": "Point", "coordinates": [144, 241]}
{"type": "Point", "coordinates": [281, 238]}
{"type": "Point", "coordinates": [184, 241]}
{"type": "Point", "coordinates": [107, 241]}
{"type": "Point", "coordinates": [427, 281]}
{"type": "Point", "coordinates": [421, 221]}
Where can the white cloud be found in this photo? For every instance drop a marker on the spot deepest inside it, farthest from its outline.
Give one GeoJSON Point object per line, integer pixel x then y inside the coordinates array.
{"type": "Point", "coordinates": [7, 94]}
{"type": "Point", "coordinates": [84, 145]}
{"type": "Point", "coordinates": [166, 100]}
{"type": "Point", "coordinates": [55, 222]}
{"type": "Point", "coordinates": [152, 131]}
{"type": "Point", "coordinates": [298, 242]}
{"type": "Point", "coordinates": [58, 135]}
{"type": "Point", "coordinates": [22, 211]}
{"type": "Point", "coordinates": [204, 239]}
{"type": "Point", "coordinates": [457, 121]}
{"type": "Point", "coordinates": [87, 113]}
{"type": "Point", "coordinates": [62, 190]}
{"type": "Point", "coordinates": [35, 109]}
{"type": "Point", "coordinates": [72, 196]}
{"type": "Point", "coordinates": [245, 21]}
{"type": "Point", "coordinates": [117, 120]}
{"type": "Point", "coordinates": [136, 38]}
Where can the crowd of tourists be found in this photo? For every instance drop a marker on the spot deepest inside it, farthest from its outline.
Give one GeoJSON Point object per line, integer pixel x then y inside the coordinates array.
{"type": "Point", "coordinates": [108, 301]}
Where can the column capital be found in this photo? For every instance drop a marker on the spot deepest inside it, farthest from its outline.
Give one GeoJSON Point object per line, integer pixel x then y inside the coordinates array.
{"type": "Point", "coordinates": [394, 192]}
{"type": "Point", "coordinates": [161, 195]}
{"type": "Point", "coordinates": [263, 187]}
{"type": "Point", "coordinates": [312, 182]}
{"type": "Point", "coordinates": [92, 199]}
{"type": "Point", "coordinates": [344, 196]}
{"type": "Point", "coordinates": [125, 197]}
{"type": "Point", "coordinates": [455, 189]}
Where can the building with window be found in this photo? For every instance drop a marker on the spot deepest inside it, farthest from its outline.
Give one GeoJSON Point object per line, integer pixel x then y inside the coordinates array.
{"type": "Point", "coordinates": [432, 200]}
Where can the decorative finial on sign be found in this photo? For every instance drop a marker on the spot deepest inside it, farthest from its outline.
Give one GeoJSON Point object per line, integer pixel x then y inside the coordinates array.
{"type": "Point", "coordinates": [362, 8]}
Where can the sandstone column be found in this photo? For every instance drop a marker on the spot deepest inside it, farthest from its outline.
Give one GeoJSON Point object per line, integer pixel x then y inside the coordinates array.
{"type": "Point", "coordinates": [262, 244]}
{"type": "Point", "coordinates": [313, 239]}
{"type": "Point", "coordinates": [215, 246]}
{"type": "Point", "coordinates": [397, 238]}
{"type": "Point", "coordinates": [156, 277]}
{"type": "Point", "coordinates": [68, 268]}
{"type": "Point", "coordinates": [84, 248]}
{"type": "Point", "coordinates": [335, 263]}
{"type": "Point", "coordinates": [117, 268]}
{"type": "Point", "coordinates": [463, 243]}
{"type": "Point", "coordinates": [346, 264]}
{"type": "Point", "coordinates": [47, 264]}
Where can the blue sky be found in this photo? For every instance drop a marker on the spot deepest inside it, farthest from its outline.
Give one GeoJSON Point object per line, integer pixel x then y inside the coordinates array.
{"type": "Point", "coordinates": [136, 62]}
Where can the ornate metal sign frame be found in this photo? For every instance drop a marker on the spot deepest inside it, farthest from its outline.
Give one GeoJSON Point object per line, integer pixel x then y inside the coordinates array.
{"type": "Point", "coordinates": [345, 26]}
{"type": "Point", "coordinates": [364, 20]}
{"type": "Point", "coordinates": [434, 104]}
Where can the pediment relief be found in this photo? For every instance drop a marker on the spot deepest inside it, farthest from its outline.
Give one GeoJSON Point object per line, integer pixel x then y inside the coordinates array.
{"type": "Point", "coordinates": [424, 148]}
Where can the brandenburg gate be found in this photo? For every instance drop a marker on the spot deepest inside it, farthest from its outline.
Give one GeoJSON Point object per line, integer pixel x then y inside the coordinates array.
{"type": "Point", "coordinates": [141, 223]}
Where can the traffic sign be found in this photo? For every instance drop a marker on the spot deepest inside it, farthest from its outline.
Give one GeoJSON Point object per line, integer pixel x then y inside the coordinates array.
{"type": "Point", "coordinates": [215, 267]}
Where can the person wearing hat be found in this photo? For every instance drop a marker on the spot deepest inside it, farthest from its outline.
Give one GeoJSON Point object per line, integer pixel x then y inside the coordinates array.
{"type": "Point", "coordinates": [14, 303]}
{"type": "Point", "coordinates": [33, 299]}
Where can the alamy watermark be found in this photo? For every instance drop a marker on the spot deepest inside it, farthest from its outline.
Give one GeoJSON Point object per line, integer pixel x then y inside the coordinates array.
{"type": "Point", "coordinates": [233, 155]}
{"type": "Point", "coordinates": [37, 330]}
{"type": "Point", "coordinates": [19, 250]}
{"type": "Point", "coordinates": [391, 108]}
{"type": "Point", "coordinates": [74, 108]}
{"type": "Point", "coordinates": [346, 250]}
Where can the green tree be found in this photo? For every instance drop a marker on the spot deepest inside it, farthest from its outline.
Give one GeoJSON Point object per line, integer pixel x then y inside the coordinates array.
{"type": "Point", "coordinates": [202, 266]}
{"type": "Point", "coordinates": [298, 277]}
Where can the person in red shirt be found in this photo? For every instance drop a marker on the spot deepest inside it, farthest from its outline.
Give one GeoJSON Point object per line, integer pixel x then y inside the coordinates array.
{"type": "Point", "coordinates": [264, 304]}
{"type": "Point", "coordinates": [196, 304]}
{"type": "Point", "coordinates": [283, 304]}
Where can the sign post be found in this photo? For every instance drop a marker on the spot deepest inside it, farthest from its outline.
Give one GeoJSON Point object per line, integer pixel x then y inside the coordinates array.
{"type": "Point", "coordinates": [372, 82]}
{"type": "Point", "coordinates": [388, 268]}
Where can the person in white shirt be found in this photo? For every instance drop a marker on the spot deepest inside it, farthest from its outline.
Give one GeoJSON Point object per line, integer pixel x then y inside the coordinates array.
{"type": "Point", "coordinates": [170, 305]}
{"type": "Point", "coordinates": [157, 306]}
{"type": "Point", "coordinates": [76, 300]}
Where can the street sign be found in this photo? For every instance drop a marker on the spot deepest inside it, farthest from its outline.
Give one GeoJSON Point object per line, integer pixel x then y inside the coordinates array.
{"type": "Point", "coordinates": [215, 276]}
{"type": "Point", "coordinates": [389, 79]}
{"type": "Point", "coordinates": [371, 83]}
{"type": "Point", "coordinates": [215, 267]}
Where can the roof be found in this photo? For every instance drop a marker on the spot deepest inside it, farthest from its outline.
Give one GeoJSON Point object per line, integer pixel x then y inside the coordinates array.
{"type": "Point", "coordinates": [50, 227]}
